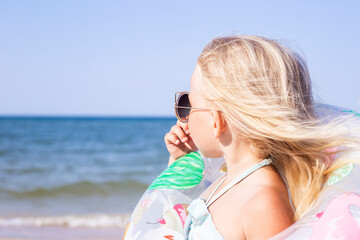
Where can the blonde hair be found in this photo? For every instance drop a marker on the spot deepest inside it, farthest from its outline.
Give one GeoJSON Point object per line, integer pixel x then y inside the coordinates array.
{"type": "Point", "coordinates": [264, 89]}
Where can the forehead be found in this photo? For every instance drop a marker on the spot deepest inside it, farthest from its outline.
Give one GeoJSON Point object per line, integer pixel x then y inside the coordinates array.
{"type": "Point", "coordinates": [195, 83]}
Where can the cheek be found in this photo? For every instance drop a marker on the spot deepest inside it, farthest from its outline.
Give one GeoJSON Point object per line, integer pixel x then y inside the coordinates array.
{"type": "Point", "coordinates": [193, 130]}
{"type": "Point", "coordinates": [198, 127]}
{"type": "Point", "coordinates": [201, 132]}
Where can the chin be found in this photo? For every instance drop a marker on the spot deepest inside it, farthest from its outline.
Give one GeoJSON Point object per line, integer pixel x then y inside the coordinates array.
{"type": "Point", "coordinates": [211, 154]}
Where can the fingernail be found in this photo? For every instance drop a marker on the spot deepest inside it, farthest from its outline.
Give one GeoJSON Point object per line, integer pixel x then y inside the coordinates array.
{"type": "Point", "coordinates": [177, 142]}
{"type": "Point", "coordinates": [184, 139]}
{"type": "Point", "coordinates": [187, 131]}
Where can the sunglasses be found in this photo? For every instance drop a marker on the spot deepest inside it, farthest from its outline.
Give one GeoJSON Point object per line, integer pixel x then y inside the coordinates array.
{"type": "Point", "coordinates": [183, 106]}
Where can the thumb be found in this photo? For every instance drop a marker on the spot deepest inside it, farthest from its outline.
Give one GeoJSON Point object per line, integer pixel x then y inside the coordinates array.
{"type": "Point", "coordinates": [190, 144]}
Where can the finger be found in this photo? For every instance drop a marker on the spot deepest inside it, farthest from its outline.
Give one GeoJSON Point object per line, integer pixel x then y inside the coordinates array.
{"type": "Point", "coordinates": [179, 132]}
{"type": "Point", "coordinates": [187, 145]}
{"type": "Point", "coordinates": [171, 138]}
{"type": "Point", "coordinates": [190, 145]}
{"type": "Point", "coordinates": [184, 126]}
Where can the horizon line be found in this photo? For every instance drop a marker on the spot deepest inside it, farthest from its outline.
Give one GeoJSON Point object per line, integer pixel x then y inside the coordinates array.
{"type": "Point", "coordinates": [83, 116]}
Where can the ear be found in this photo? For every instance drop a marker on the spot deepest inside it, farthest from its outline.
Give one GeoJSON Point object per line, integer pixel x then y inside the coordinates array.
{"type": "Point", "coordinates": [219, 124]}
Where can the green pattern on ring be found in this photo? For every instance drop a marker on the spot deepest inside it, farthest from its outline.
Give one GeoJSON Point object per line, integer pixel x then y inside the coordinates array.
{"type": "Point", "coordinates": [186, 172]}
{"type": "Point", "coordinates": [352, 111]}
{"type": "Point", "coordinates": [340, 174]}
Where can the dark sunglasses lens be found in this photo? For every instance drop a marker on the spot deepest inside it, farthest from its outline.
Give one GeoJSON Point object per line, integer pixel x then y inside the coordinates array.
{"type": "Point", "coordinates": [183, 101]}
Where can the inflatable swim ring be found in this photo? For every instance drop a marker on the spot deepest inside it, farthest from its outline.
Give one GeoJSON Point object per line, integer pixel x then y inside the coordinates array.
{"type": "Point", "coordinates": [161, 211]}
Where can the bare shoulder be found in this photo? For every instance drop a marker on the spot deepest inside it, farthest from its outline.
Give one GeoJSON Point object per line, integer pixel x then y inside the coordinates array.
{"type": "Point", "coordinates": [268, 213]}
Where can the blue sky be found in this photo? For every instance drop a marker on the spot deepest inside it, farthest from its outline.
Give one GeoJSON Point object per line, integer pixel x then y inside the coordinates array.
{"type": "Point", "coordinates": [129, 57]}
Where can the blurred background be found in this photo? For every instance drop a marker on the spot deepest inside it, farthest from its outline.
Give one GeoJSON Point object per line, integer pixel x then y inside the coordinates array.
{"type": "Point", "coordinates": [87, 90]}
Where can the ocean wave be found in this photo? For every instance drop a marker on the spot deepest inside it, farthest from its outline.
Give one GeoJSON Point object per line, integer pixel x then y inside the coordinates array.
{"type": "Point", "coordinates": [71, 221]}
{"type": "Point", "coordinates": [84, 188]}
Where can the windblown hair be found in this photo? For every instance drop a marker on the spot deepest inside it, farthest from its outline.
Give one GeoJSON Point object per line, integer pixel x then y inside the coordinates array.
{"type": "Point", "coordinates": [264, 90]}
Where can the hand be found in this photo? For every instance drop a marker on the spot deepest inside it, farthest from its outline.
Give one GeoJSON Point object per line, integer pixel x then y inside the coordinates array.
{"type": "Point", "coordinates": [178, 141]}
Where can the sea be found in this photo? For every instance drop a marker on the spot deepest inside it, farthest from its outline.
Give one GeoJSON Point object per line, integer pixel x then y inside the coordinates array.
{"type": "Point", "coordinates": [76, 177]}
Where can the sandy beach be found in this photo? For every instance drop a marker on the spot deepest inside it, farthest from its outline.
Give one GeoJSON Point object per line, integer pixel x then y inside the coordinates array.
{"type": "Point", "coordinates": [46, 233]}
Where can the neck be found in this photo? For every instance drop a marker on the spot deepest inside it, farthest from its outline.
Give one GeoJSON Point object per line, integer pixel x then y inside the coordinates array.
{"type": "Point", "coordinates": [238, 159]}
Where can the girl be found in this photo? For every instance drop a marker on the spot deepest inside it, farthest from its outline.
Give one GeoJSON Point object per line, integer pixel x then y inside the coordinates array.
{"type": "Point", "coordinates": [250, 102]}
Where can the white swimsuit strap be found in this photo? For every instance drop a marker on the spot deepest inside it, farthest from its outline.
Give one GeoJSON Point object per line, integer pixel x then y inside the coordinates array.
{"type": "Point", "coordinates": [252, 169]}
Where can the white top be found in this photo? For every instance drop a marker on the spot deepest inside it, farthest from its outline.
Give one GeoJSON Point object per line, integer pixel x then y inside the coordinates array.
{"type": "Point", "coordinates": [199, 224]}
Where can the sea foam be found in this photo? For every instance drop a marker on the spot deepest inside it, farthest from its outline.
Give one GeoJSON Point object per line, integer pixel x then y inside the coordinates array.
{"type": "Point", "coordinates": [71, 221]}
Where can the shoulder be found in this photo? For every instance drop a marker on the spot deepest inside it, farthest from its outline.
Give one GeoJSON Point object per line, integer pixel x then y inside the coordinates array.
{"type": "Point", "coordinates": [270, 209]}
